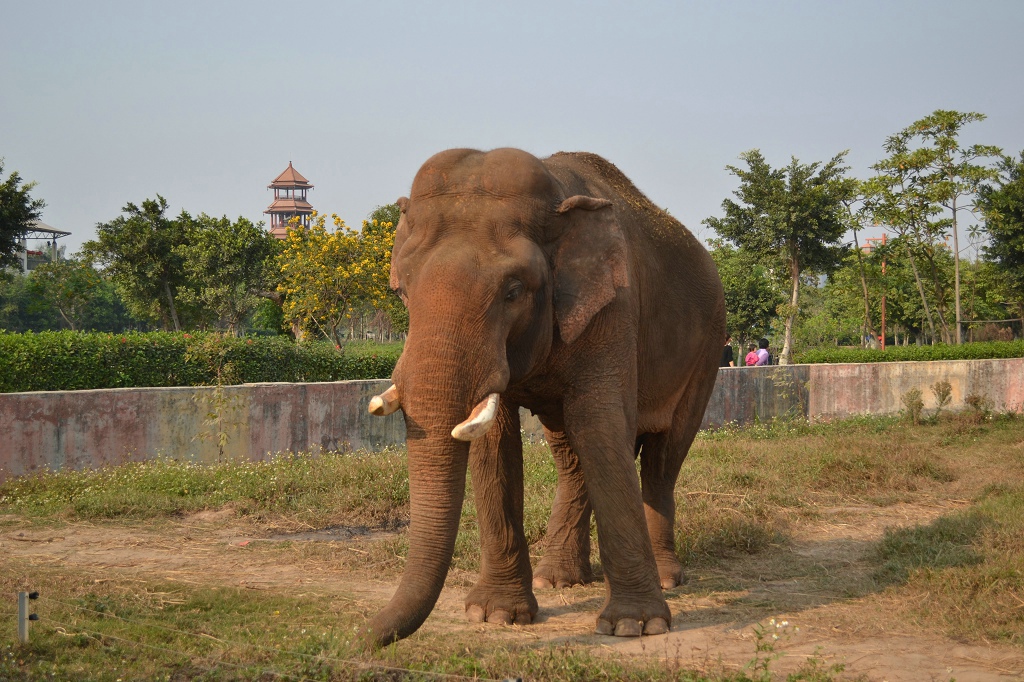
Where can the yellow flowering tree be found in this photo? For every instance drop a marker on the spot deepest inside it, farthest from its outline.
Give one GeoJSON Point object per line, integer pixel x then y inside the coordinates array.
{"type": "Point", "coordinates": [329, 276]}
{"type": "Point", "coordinates": [320, 276]}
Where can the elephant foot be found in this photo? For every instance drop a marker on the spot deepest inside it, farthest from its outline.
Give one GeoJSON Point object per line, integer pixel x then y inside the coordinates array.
{"type": "Point", "coordinates": [633, 620]}
{"type": "Point", "coordinates": [556, 575]}
{"type": "Point", "coordinates": [502, 606]}
{"type": "Point", "coordinates": [671, 574]}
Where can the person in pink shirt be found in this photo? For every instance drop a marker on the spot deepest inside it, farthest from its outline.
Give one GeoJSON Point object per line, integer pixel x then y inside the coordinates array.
{"type": "Point", "coordinates": [751, 358]}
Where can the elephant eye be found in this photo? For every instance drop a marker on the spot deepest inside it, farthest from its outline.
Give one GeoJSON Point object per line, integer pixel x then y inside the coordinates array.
{"type": "Point", "coordinates": [514, 291]}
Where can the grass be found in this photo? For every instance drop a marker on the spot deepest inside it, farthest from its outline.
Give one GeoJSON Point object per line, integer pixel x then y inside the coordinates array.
{"type": "Point", "coordinates": [744, 495]}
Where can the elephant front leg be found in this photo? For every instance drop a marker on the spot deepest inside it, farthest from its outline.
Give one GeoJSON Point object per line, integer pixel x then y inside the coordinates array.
{"type": "Point", "coordinates": [602, 434]}
{"type": "Point", "coordinates": [503, 594]}
{"type": "Point", "coordinates": [566, 560]}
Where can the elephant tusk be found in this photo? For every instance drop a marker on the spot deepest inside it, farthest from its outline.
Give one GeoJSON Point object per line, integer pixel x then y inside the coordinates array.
{"type": "Point", "coordinates": [479, 421]}
{"type": "Point", "coordinates": [384, 404]}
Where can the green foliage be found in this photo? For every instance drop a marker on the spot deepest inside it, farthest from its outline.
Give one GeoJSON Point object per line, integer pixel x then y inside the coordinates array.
{"type": "Point", "coordinates": [17, 211]}
{"type": "Point", "coordinates": [55, 361]}
{"type": "Point", "coordinates": [1003, 206]}
{"type": "Point", "coordinates": [26, 305]}
{"type": "Point", "coordinates": [229, 266]}
{"type": "Point", "coordinates": [794, 215]}
{"type": "Point", "coordinates": [969, 351]}
{"type": "Point", "coordinates": [69, 286]}
{"type": "Point", "coordinates": [752, 294]}
{"type": "Point", "coordinates": [139, 253]}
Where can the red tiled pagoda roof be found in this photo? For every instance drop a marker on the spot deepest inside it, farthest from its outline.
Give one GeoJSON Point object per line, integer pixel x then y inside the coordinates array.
{"type": "Point", "coordinates": [290, 206]}
{"type": "Point", "coordinates": [290, 178]}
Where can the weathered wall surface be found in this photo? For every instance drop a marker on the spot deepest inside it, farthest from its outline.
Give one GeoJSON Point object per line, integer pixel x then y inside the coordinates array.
{"type": "Point", "coordinates": [83, 429]}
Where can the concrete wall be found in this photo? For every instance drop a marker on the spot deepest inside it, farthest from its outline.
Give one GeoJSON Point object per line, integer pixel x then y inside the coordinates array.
{"type": "Point", "coordinates": [83, 429]}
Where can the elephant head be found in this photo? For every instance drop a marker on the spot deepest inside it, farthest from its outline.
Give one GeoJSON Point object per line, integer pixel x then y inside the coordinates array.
{"type": "Point", "coordinates": [498, 263]}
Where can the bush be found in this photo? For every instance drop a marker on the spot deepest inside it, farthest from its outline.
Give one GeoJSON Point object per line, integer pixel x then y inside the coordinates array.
{"type": "Point", "coordinates": [63, 361]}
{"type": "Point", "coordinates": [968, 351]}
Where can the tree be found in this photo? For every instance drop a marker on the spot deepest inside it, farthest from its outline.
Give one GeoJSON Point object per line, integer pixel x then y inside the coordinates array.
{"type": "Point", "coordinates": [752, 293]}
{"type": "Point", "coordinates": [1002, 204]}
{"type": "Point", "coordinates": [795, 214]}
{"type": "Point", "coordinates": [926, 171]}
{"type": "Point", "coordinates": [953, 175]}
{"type": "Point", "coordinates": [70, 286]}
{"type": "Point", "coordinates": [320, 277]}
{"type": "Point", "coordinates": [17, 212]}
{"type": "Point", "coordinates": [229, 266]}
{"type": "Point", "coordinates": [140, 253]}
{"type": "Point", "coordinates": [379, 233]}
{"type": "Point", "coordinates": [896, 198]}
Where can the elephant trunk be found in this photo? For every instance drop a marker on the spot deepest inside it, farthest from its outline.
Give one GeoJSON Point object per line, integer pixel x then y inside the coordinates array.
{"type": "Point", "coordinates": [437, 484]}
{"type": "Point", "coordinates": [436, 389]}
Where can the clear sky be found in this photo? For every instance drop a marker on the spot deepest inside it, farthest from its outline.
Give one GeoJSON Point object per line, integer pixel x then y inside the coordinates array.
{"type": "Point", "coordinates": [103, 103]}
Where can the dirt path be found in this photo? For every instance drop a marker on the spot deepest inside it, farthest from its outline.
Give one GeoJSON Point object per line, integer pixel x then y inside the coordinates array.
{"type": "Point", "coordinates": [814, 584]}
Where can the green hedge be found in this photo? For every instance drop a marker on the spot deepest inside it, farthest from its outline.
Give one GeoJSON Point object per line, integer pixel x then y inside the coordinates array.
{"type": "Point", "coordinates": [61, 361]}
{"type": "Point", "coordinates": [968, 351]}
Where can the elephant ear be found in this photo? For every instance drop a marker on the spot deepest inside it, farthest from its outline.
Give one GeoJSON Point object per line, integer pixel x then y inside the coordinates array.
{"type": "Point", "coordinates": [589, 263]}
{"type": "Point", "coordinates": [401, 234]}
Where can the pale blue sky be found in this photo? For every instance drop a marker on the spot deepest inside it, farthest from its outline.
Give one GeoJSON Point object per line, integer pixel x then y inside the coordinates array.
{"type": "Point", "coordinates": [206, 102]}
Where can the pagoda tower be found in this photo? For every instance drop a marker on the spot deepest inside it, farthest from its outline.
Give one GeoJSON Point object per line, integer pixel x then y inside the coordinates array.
{"type": "Point", "coordinates": [289, 201]}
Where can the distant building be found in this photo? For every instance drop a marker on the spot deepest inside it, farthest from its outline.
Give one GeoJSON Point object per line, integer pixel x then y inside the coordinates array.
{"type": "Point", "coordinates": [32, 258]}
{"type": "Point", "coordinates": [290, 190]}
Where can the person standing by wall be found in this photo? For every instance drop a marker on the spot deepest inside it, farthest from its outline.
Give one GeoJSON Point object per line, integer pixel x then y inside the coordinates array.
{"type": "Point", "coordinates": [763, 356]}
{"type": "Point", "coordinates": [727, 357]}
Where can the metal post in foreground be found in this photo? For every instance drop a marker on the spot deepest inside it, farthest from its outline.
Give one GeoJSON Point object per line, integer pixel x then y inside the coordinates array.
{"type": "Point", "coordinates": [23, 617]}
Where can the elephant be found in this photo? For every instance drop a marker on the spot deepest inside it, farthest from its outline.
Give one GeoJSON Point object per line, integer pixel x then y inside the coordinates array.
{"type": "Point", "coordinates": [556, 285]}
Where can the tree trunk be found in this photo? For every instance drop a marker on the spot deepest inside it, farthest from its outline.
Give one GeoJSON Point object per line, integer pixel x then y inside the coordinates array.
{"type": "Point", "coordinates": [956, 277]}
{"type": "Point", "coordinates": [867, 330]}
{"type": "Point", "coordinates": [170, 302]}
{"type": "Point", "coordinates": [920, 290]}
{"type": "Point", "coordinates": [787, 347]}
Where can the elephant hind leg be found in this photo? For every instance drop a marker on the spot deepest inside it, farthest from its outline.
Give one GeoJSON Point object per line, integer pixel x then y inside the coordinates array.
{"type": "Point", "coordinates": [566, 560]}
{"type": "Point", "coordinates": [661, 457]}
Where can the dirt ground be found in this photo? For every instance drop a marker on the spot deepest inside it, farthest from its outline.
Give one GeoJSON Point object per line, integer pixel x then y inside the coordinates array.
{"type": "Point", "coordinates": [807, 584]}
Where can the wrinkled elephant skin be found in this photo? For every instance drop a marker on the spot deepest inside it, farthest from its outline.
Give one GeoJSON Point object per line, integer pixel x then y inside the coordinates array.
{"type": "Point", "coordinates": [554, 285]}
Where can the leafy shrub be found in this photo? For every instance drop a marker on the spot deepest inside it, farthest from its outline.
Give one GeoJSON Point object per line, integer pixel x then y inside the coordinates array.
{"type": "Point", "coordinates": [968, 351]}
{"type": "Point", "coordinates": [912, 401]}
{"type": "Point", "coordinates": [61, 361]}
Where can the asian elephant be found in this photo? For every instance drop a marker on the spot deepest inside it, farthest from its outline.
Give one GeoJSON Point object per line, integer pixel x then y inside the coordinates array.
{"type": "Point", "coordinates": [556, 285]}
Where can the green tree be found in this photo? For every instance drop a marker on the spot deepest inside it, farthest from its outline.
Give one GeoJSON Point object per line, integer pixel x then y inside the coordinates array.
{"type": "Point", "coordinates": [320, 277]}
{"type": "Point", "coordinates": [953, 176]}
{"type": "Point", "coordinates": [69, 286]}
{"type": "Point", "coordinates": [17, 212]}
{"type": "Point", "coordinates": [752, 293]}
{"type": "Point", "coordinates": [140, 252]}
{"type": "Point", "coordinates": [379, 239]}
{"type": "Point", "coordinates": [794, 214]}
{"type": "Point", "coordinates": [1002, 204]}
{"type": "Point", "coordinates": [895, 198]}
{"type": "Point", "coordinates": [229, 266]}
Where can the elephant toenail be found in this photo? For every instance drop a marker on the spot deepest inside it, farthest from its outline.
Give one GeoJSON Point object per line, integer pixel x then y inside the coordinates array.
{"type": "Point", "coordinates": [562, 584]}
{"type": "Point", "coordinates": [500, 617]}
{"type": "Point", "coordinates": [627, 627]}
{"type": "Point", "coordinates": [656, 626]}
{"type": "Point", "coordinates": [541, 584]}
{"type": "Point", "coordinates": [668, 583]}
{"type": "Point", "coordinates": [475, 613]}
{"type": "Point", "coordinates": [604, 627]}
{"type": "Point", "coordinates": [523, 619]}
